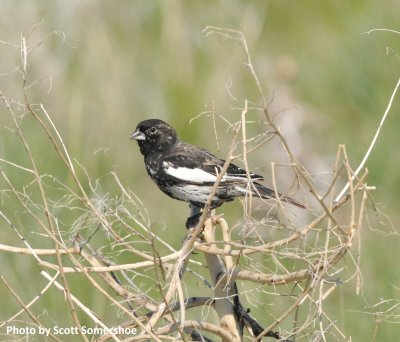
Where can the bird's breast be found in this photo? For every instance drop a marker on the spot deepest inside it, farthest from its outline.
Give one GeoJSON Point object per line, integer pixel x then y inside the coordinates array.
{"type": "Point", "coordinates": [152, 163]}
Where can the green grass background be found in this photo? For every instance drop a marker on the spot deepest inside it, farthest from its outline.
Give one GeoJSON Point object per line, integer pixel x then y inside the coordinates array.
{"type": "Point", "coordinates": [103, 66]}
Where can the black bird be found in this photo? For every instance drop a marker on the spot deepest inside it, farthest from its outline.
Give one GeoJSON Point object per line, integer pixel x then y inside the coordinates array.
{"type": "Point", "coordinates": [188, 173]}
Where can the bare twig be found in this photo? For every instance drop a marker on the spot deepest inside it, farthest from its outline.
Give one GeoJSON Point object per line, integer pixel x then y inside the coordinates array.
{"type": "Point", "coordinates": [372, 144]}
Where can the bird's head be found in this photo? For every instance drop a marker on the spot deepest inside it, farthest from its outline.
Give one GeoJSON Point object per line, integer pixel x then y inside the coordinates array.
{"type": "Point", "coordinates": [154, 136]}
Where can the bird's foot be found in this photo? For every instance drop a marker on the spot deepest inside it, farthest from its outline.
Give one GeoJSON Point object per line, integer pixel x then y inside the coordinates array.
{"type": "Point", "coordinates": [193, 220]}
{"type": "Point", "coordinates": [195, 214]}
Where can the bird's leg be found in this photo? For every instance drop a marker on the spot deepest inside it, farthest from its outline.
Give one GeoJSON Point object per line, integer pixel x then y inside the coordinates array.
{"type": "Point", "coordinates": [193, 219]}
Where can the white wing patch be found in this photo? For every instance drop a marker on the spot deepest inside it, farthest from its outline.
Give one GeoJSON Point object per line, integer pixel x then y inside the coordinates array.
{"type": "Point", "coordinates": [189, 175]}
{"type": "Point", "coordinates": [200, 176]}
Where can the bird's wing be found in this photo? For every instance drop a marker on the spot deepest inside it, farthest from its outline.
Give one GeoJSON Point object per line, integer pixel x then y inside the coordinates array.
{"type": "Point", "coordinates": [194, 165]}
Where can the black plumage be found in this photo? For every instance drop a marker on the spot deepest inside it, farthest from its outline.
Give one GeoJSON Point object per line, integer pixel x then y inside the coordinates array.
{"type": "Point", "coordinates": [188, 173]}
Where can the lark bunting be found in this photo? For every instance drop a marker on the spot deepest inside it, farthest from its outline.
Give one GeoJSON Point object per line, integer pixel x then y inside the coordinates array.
{"type": "Point", "coordinates": [188, 173]}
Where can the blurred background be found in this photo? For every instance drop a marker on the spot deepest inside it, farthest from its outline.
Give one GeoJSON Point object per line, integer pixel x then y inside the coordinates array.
{"type": "Point", "coordinates": [100, 67]}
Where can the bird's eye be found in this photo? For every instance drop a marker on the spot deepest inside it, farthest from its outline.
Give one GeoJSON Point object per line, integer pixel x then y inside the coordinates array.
{"type": "Point", "coordinates": [153, 130]}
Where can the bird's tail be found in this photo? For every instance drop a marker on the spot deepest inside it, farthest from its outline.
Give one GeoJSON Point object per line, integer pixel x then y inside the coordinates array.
{"type": "Point", "coordinates": [266, 193]}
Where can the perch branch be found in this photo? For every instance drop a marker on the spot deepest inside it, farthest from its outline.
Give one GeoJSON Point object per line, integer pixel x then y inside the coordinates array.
{"type": "Point", "coordinates": [223, 302]}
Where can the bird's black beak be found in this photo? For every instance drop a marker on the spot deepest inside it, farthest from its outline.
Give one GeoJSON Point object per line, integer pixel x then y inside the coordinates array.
{"type": "Point", "coordinates": [137, 135]}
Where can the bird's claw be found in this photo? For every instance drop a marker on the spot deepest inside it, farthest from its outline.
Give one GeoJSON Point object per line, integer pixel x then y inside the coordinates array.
{"type": "Point", "coordinates": [193, 221]}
